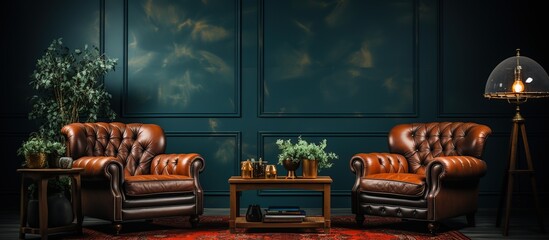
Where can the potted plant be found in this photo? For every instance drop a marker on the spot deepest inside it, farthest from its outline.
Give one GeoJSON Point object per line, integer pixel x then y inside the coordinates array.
{"type": "Point", "coordinates": [313, 156]}
{"type": "Point", "coordinates": [69, 86]}
{"type": "Point", "coordinates": [40, 152]}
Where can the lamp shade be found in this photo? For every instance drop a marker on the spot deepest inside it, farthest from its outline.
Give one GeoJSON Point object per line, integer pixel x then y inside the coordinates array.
{"type": "Point", "coordinates": [517, 78]}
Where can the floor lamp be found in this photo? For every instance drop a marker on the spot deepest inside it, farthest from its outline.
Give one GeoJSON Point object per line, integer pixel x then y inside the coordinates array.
{"type": "Point", "coordinates": [516, 79]}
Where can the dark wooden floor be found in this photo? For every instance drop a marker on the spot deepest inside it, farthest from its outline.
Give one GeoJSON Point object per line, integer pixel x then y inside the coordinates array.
{"type": "Point", "coordinates": [522, 226]}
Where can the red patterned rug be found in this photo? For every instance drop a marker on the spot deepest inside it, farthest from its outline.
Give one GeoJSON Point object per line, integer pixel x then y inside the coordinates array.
{"type": "Point", "coordinates": [217, 227]}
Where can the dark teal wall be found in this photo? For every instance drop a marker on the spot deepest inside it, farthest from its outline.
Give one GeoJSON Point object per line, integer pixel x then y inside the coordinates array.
{"type": "Point", "coordinates": [227, 78]}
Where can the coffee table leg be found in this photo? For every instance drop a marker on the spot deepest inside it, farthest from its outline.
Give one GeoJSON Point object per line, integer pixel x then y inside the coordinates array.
{"type": "Point", "coordinates": [326, 208]}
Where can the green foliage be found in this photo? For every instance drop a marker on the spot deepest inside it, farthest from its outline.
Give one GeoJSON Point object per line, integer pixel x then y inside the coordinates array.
{"type": "Point", "coordinates": [37, 144]}
{"type": "Point", "coordinates": [304, 150]}
{"type": "Point", "coordinates": [57, 185]}
{"type": "Point", "coordinates": [69, 88]}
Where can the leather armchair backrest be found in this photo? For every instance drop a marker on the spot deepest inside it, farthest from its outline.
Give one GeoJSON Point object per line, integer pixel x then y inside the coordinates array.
{"type": "Point", "coordinates": [419, 142]}
{"type": "Point", "coordinates": [134, 144]}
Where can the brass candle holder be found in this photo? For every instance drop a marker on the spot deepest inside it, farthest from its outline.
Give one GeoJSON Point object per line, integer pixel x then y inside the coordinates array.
{"type": "Point", "coordinates": [270, 172]}
{"type": "Point", "coordinates": [246, 169]}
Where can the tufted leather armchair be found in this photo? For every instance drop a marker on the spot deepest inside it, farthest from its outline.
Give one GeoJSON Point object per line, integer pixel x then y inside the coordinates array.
{"type": "Point", "coordinates": [431, 173]}
{"type": "Point", "coordinates": [127, 175]}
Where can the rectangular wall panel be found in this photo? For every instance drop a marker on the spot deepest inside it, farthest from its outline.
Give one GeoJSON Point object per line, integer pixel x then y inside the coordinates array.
{"type": "Point", "coordinates": [340, 59]}
{"type": "Point", "coordinates": [182, 58]}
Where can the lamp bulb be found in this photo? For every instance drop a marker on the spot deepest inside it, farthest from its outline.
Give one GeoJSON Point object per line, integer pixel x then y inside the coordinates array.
{"type": "Point", "coordinates": [518, 86]}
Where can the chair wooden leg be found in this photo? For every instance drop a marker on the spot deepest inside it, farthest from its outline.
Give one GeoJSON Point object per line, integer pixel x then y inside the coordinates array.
{"type": "Point", "coordinates": [359, 219]}
{"type": "Point", "coordinates": [194, 220]}
{"type": "Point", "coordinates": [433, 227]}
{"type": "Point", "coordinates": [117, 227]}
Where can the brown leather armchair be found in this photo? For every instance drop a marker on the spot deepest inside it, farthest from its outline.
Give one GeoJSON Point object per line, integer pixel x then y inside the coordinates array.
{"type": "Point", "coordinates": [127, 175]}
{"type": "Point", "coordinates": [431, 173]}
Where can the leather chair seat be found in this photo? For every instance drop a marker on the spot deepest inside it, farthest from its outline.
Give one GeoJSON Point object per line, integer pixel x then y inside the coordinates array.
{"type": "Point", "coordinates": [396, 185]}
{"type": "Point", "coordinates": [148, 185]}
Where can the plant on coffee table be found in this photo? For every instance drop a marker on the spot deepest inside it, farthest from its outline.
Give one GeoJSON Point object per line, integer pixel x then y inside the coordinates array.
{"type": "Point", "coordinates": [305, 150]}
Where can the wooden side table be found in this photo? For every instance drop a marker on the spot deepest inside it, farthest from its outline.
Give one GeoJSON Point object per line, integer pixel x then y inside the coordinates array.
{"type": "Point", "coordinates": [40, 177]}
{"type": "Point", "coordinates": [321, 183]}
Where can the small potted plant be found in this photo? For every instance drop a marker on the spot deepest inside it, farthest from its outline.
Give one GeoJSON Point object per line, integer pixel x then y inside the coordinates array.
{"type": "Point", "coordinates": [313, 156]}
{"type": "Point", "coordinates": [40, 152]}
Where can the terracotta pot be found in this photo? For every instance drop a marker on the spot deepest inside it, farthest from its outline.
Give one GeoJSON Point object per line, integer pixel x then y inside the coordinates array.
{"type": "Point", "coordinates": [290, 166]}
{"type": "Point", "coordinates": [310, 168]}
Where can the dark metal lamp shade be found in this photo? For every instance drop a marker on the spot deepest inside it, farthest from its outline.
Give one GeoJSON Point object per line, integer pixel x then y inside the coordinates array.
{"type": "Point", "coordinates": [516, 79]}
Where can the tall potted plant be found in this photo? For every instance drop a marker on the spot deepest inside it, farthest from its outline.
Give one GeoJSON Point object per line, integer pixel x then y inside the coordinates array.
{"type": "Point", "coordinates": [69, 89]}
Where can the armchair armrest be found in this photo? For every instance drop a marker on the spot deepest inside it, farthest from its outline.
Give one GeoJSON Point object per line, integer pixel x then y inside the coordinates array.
{"type": "Point", "coordinates": [455, 168]}
{"type": "Point", "coordinates": [102, 168]}
{"type": "Point", "coordinates": [187, 164]}
{"type": "Point", "coordinates": [99, 167]}
{"type": "Point", "coordinates": [363, 164]}
{"type": "Point", "coordinates": [462, 171]}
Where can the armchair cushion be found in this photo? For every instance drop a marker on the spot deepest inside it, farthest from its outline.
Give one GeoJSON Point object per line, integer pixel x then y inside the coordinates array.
{"type": "Point", "coordinates": [401, 184]}
{"type": "Point", "coordinates": [147, 185]}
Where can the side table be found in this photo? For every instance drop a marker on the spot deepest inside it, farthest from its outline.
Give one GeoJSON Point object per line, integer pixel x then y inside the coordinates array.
{"type": "Point", "coordinates": [40, 177]}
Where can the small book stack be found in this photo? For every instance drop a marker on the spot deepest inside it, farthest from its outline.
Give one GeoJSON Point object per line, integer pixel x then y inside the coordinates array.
{"type": "Point", "coordinates": [283, 214]}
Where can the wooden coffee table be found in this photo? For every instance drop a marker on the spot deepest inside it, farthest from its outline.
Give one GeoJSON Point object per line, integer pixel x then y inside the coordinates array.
{"type": "Point", "coordinates": [238, 184]}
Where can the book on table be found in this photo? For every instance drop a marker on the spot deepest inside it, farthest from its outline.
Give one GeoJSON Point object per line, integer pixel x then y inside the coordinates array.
{"type": "Point", "coordinates": [284, 210]}
{"type": "Point", "coordinates": [283, 214]}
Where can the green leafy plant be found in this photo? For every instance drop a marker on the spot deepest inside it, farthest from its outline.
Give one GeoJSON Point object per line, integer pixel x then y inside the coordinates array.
{"type": "Point", "coordinates": [69, 87]}
{"type": "Point", "coordinates": [305, 150]}
{"type": "Point", "coordinates": [37, 144]}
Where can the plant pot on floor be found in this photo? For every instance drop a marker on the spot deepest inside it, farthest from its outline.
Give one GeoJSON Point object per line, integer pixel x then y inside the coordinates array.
{"type": "Point", "coordinates": [59, 211]}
